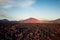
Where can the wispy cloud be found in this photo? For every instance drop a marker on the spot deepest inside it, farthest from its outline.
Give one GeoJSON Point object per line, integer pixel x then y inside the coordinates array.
{"type": "Point", "coordinates": [6, 4]}
{"type": "Point", "coordinates": [3, 0]}
{"type": "Point", "coordinates": [12, 3]}
{"type": "Point", "coordinates": [27, 3]}
{"type": "Point", "coordinates": [2, 15]}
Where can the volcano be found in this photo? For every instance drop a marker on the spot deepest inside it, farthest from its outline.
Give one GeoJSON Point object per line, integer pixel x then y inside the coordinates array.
{"type": "Point", "coordinates": [32, 20]}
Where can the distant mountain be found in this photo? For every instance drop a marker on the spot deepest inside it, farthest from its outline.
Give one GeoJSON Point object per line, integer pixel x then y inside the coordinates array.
{"type": "Point", "coordinates": [57, 20]}
{"type": "Point", "coordinates": [4, 21]}
{"type": "Point", "coordinates": [7, 21]}
{"type": "Point", "coordinates": [32, 20]}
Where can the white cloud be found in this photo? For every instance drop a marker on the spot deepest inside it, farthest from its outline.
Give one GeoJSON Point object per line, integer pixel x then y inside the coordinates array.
{"type": "Point", "coordinates": [21, 3]}
{"type": "Point", "coordinates": [3, 0]}
{"type": "Point", "coordinates": [7, 6]}
{"type": "Point", "coordinates": [26, 3]}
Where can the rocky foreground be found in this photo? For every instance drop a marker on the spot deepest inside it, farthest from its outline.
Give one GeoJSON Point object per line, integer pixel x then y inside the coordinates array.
{"type": "Point", "coordinates": [29, 31]}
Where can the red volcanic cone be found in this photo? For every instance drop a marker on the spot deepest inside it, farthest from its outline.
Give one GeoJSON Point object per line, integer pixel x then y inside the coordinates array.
{"type": "Point", "coordinates": [32, 20]}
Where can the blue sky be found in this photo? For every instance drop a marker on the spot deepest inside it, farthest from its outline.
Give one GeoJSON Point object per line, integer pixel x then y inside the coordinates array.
{"type": "Point", "coordinates": [23, 9]}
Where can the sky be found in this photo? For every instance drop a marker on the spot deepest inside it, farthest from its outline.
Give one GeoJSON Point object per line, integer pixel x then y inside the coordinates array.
{"type": "Point", "coordinates": [23, 9]}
